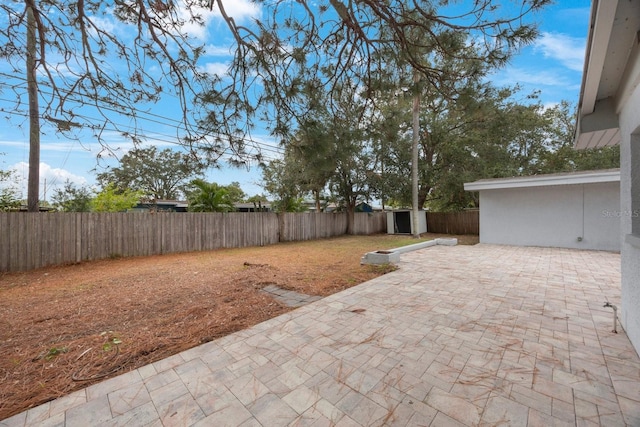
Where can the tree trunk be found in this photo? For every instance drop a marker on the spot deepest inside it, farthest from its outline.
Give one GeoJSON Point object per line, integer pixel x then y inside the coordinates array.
{"type": "Point", "coordinates": [351, 217]}
{"type": "Point", "coordinates": [316, 196]}
{"type": "Point", "coordinates": [414, 156]}
{"type": "Point", "coordinates": [423, 193]}
{"type": "Point", "coordinates": [33, 186]}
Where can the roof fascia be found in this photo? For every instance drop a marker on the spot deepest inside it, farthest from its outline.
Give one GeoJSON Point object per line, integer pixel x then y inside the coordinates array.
{"type": "Point", "coordinates": [542, 181]}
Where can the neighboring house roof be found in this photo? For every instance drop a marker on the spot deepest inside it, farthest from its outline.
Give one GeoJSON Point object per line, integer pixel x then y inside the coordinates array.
{"type": "Point", "coordinates": [163, 204]}
{"type": "Point", "coordinates": [264, 205]}
{"type": "Point", "coordinates": [176, 203]}
{"type": "Point", "coordinates": [584, 177]}
{"type": "Point", "coordinates": [607, 80]}
{"type": "Point", "coordinates": [364, 207]}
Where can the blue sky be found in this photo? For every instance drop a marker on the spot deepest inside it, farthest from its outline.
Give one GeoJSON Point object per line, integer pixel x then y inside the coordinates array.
{"type": "Point", "coordinates": [552, 65]}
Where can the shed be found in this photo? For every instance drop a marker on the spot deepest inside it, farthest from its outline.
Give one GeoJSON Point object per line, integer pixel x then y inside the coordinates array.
{"type": "Point", "coordinates": [400, 222]}
{"type": "Point", "coordinates": [579, 210]}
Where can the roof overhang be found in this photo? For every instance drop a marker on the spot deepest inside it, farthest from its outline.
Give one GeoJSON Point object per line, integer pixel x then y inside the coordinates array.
{"type": "Point", "coordinates": [575, 178]}
{"type": "Point", "coordinates": [611, 71]}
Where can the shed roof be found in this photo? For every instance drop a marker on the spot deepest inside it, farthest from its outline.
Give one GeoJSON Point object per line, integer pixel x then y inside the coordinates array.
{"type": "Point", "coordinates": [572, 178]}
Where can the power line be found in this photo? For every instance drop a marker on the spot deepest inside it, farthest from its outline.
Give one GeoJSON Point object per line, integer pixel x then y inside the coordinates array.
{"type": "Point", "coordinates": [139, 114]}
{"type": "Point", "coordinates": [154, 135]}
{"type": "Point", "coordinates": [272, 151]}
{"type": "Point", "coordinates": [118, 127]}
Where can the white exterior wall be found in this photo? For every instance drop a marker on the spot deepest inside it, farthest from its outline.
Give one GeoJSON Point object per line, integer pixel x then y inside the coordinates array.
{"type": "Point", "coordinates": [629, 202]}
{"type": "Point", "coordinates": [581, 216]}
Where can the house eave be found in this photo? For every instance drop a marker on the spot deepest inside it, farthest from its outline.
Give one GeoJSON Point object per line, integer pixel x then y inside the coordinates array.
{"type": "Point", "coordinates": [611, 72]}
{"type": "Point", "coordinates": [600, 29]}
{"type": "Point", "coordinates": [576, 178]}
{"type": "Point", "coordinates": [600, 128]}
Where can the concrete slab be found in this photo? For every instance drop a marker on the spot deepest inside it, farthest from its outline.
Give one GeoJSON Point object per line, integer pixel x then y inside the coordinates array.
{"type": "Point", "coordinates": [392, 256]}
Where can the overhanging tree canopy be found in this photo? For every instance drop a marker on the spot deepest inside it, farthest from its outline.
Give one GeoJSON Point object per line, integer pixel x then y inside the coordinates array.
{"type": "Point", "coordinates": [297, 43]}
{"type": "Point", "coordinates": [334, 42]}
{"type": "Point", "coordinates": [84, 72]}
{"type": "Point", "coordinates": [72, 47]}
{"type": "Point", "coordinates": [84, 59]}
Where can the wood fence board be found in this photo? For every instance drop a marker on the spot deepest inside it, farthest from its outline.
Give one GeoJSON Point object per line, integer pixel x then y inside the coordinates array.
{"type": "Point", "coordinates": [66, 239]}
{"type": "Point", "coordinates": [16, 248]}
{"type": "Point", "coordinates": [5, 246]}
{"type": "Point", "coordinates": [87, 234]}
{"type": "Point", "coordinates": [17, 244]}
{"type": "Point", "coordinates": [466, 222]}
{"type": "Point", "coordinates": [49, 250]}
{"type": "Point", "coordinates": [7, 249]}
{"type": "Point", "coordinates": [33, 240]}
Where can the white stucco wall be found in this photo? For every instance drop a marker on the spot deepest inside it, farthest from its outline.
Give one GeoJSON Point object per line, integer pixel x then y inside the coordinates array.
{"type": "Point", "coordinates": [581, 216]}
{"type": "Point", "coordinates": [629, 203]}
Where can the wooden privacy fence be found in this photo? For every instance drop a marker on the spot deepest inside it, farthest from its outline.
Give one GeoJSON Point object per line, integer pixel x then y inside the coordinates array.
{"type": "Point", "coordinates": [465, 222]}
{"type": "Point", "coordinates": [33, 240]}
{"type": "Point", "coordinates": [309, 226]}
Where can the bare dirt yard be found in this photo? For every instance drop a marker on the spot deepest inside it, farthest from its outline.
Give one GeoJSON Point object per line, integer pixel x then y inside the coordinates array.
{"type": "Point", "coordinates": [64, 328]}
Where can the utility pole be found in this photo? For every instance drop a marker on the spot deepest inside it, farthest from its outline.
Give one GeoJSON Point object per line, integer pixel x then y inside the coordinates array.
{"type": "Point", "coordinates": [414, 155]}
{"type": "Point", "coordinates": [33, 200]}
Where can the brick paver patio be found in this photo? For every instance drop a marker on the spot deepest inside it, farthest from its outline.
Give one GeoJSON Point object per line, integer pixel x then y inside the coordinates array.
{"type": "Point", "coordinates": [459, 336]}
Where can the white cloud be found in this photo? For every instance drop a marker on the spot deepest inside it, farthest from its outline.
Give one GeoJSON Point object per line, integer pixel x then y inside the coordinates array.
{"type": "Point", "coordinates": [50, 178]}
{"type": "Point", "coordinates": [107, 24]}
{"type": "Point", "coordinates": [4, 143]}
{"type": "Point", "coordinates": [114, 144]}
{"type": "Point", "coordinates": [214, 50]}
{"type": "Point", "coordinates": [112, 139]}
{"type": "Point", "coordinates": [514, 75]}
{"type": "Point", "coordinates": [569, 51]}
{"type": "Point", "coordinates": [216, 68]}
{"type": "Point", "coordinates": [60, 147]}
{"type": "Point", "coordinates": [239, 10]}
